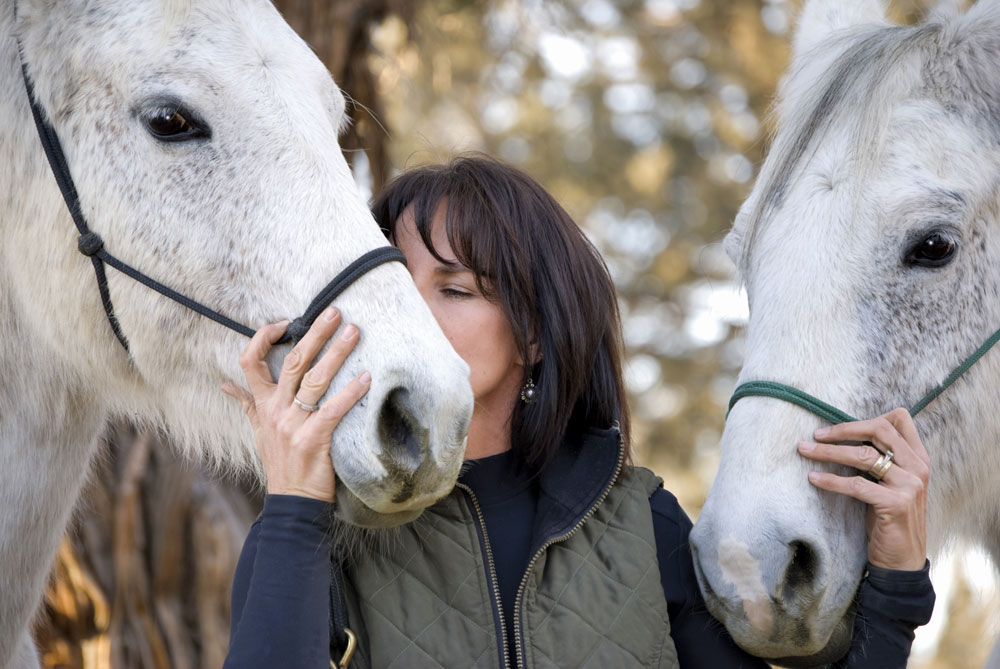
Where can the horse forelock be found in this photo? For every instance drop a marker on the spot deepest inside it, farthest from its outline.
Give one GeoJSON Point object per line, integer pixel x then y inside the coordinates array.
{"type": "Point", "coordinates": [869, 69]}
{"type": "Point", "coordinates": [951, 60]}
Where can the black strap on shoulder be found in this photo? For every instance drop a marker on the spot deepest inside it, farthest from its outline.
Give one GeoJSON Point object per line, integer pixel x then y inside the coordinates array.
{"type": "Point", "coordinates": [91, 245]}
{"type": "Point", "coordinates": [339, 640]}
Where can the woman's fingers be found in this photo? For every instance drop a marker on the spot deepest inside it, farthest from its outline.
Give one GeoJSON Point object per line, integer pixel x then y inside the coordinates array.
{"type": "Point", "coordinates": [897, 522]}
{"type": "Point", "coordinates": [322, 423]}
{"type": "Point", "coordinates": [252, 360]}
{"type": "Point", "coordinates": [903, 422]}
{"type": "Point", "coordinates": [857, 487]}
{"type": "Point", "coordinates": [878, 431]}
{"type": "Point", "coordinates": [299, 359]}
{"type": "Point", "coordinates": [862, 458]}
{"type": "Point", "coordinates": [294, 444]}
{"type": "Point", "coordinates": [897, 503]}
{"type": "Point", "coordinates": [317, 380]}
{"type": "Point", "coordinates": [246, 399]}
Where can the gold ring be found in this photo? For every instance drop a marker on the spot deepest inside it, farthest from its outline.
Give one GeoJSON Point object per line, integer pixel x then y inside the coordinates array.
{"type": "Point", "coordinates": [305, 407]}
{"type": "Point", "coordinates": [881, 465]}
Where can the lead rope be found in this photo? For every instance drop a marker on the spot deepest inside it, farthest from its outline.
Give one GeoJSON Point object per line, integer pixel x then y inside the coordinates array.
{"type": "Point", "coordinates": [91, 245]}
{"type": "Point", "coordinates": [780, 391]}
{"type": "Point", "coordinates": [834, 415]}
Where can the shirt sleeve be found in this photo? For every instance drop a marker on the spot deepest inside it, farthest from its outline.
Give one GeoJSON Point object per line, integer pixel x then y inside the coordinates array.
{"type": "Point", "coordinates": [700, 639]}
{"type": "Point", "coordinates": [891, 605]}
{"type": "Point", "coordinates": [281, 589]}
{"type": "Point", "coordinates": [241, 579]}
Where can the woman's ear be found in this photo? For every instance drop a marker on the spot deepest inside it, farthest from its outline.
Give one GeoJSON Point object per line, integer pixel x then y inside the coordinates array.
{"type": "Point", "coordinates": [534, 352]}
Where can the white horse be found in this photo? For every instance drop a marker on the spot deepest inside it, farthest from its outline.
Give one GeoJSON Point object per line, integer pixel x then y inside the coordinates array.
{"type": "Point", "coordinates": [251, 211]}
{"type": "Point", "coordinates": [870, 250]}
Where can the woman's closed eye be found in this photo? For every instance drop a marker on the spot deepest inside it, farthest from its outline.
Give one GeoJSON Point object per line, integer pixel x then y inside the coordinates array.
{"type": "Point", "coordinates": [455, 293]}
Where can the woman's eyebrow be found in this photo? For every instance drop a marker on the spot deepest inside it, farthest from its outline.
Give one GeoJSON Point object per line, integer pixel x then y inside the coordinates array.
{"type": "Point", "coordinates": [452, 268]}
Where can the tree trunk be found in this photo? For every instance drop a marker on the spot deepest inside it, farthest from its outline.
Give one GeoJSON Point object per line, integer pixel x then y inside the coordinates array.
{"type": "Point", "coordinates": [143, 576]}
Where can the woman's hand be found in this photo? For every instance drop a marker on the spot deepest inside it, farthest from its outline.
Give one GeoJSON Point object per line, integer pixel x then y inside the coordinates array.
{"type": "Point", "coordinates": [294, 443]}
{"type": "Point", "coordinates": [897, 505]}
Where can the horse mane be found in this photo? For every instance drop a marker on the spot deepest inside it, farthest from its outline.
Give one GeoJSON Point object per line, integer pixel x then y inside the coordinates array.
{"type": "Point", "coordinates": [864, 81]}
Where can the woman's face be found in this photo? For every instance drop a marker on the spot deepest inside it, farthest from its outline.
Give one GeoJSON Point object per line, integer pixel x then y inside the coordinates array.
{"type": "Point", "coordinates": [477, 328]}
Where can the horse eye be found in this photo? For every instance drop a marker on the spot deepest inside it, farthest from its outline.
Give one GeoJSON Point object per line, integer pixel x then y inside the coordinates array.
{"type": "Point", "coordinates": [171, 124]}
{"type": "Point", "coordinates": [934, 250]}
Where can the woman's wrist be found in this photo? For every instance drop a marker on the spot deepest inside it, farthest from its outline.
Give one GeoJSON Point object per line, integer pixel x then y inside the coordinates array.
{"type": "Point", "coordinates": [878, 571]}
{"type": "Point", "coordinates": [316, 493]}
{"type": "Point", "coordinates": [902, 565]}
{"type": "Point", "coordinates": [286, 507]}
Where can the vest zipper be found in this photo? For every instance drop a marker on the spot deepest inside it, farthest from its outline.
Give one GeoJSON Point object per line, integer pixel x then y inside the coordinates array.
{"type": "Point", "coordinates": [524, 579]}
{"type": "Point", "coordinates": [495, 585]}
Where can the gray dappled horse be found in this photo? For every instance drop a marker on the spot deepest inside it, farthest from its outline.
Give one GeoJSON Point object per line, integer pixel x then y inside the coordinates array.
{"type": "Point", "coordinates": [870, 250]}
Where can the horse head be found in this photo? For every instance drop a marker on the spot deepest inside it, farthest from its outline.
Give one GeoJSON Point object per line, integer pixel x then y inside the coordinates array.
{"type": "Point", "coordinates": [869, 250]}
{"type": "Point", "coordinates": [203, 140]}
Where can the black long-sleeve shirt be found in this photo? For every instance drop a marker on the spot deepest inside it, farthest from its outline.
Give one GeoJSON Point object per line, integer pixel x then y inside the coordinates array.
{"type": "Point", "coordinates": [280, 607]}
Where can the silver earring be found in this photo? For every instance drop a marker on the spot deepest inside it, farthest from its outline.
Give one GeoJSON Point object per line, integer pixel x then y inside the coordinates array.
{"type": "Point", "coordinates": [528, 392]}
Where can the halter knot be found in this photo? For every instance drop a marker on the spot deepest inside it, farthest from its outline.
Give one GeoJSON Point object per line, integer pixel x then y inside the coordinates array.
{"type": "Point", "coordinates": [296, 330]}
{"type": "Point", "coordinates": [90, 244]}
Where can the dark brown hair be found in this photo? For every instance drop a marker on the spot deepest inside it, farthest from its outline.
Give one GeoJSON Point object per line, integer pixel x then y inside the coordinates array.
{"type": "Point", "coordinates": [530, 258]}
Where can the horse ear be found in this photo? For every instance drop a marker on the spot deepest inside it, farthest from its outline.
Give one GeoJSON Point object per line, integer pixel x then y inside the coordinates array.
{"type": "Point", "coordinates": [822, 18]}
{"type": "Point", "coordinates": [946, 10]}
{"type": "Point", "coordinates": [733, 243]}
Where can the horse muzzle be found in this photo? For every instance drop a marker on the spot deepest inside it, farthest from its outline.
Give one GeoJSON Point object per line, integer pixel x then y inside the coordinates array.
{"type": "Point", "coordinates": [774, 598]}
{"type": "Point", "coordinates": [411, 448]}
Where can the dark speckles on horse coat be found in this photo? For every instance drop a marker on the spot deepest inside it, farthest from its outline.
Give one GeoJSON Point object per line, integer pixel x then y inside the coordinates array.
{"type": "Point", "coordinates": [886, 135]}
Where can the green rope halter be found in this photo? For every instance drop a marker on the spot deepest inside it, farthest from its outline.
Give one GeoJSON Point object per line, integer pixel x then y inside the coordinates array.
{"type": "Point", "coordinates": [834, 415]}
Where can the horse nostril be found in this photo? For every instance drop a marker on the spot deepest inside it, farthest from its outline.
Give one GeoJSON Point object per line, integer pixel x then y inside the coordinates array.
{"type": "Point", "coordinates": [801, 572]}
{"type": "Point", "coordinates": [404, 440]}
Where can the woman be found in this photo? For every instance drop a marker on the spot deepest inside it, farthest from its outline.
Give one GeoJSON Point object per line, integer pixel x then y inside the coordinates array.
{"type": "Point", "coordinates": [552, 550]}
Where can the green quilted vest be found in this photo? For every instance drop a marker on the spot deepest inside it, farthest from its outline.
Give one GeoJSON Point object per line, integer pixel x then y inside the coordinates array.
{"type": "Point", "coordinates": [422, 598]}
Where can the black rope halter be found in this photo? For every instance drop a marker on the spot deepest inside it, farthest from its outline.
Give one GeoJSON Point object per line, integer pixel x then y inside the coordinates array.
{"type": "Point", "coordinates": [91, 245]}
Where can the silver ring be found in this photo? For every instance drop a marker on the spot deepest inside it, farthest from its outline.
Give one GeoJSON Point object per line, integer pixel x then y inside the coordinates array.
{"type": "Point", "coordinates": [305, 407]}
{"type": "Point", "coordinates": [881, 465]}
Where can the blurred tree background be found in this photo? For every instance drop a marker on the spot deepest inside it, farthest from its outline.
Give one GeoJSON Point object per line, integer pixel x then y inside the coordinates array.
{"type": "Point", "coordinates": [646, 119]}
